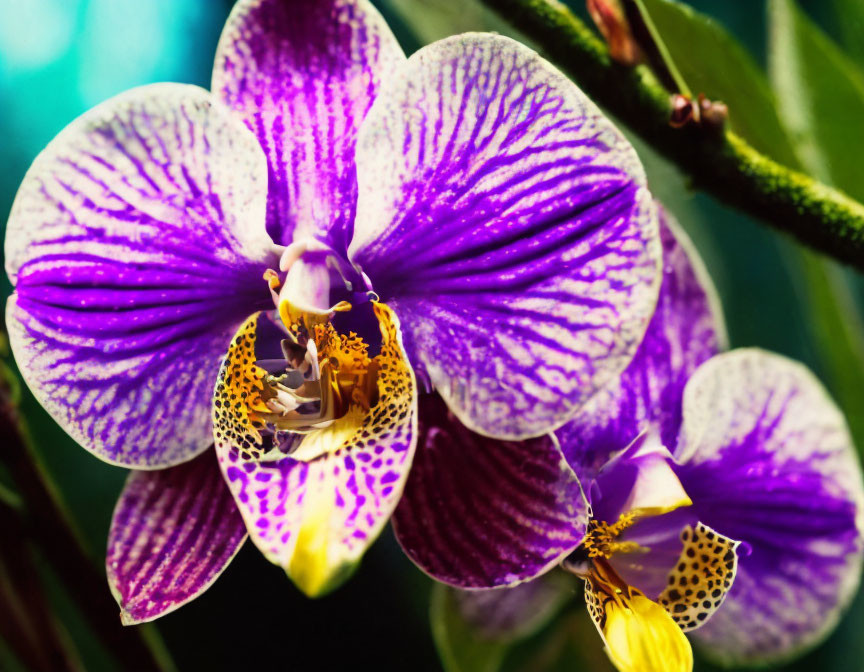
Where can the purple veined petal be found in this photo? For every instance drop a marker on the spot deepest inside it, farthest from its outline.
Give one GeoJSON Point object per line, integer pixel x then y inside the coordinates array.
{"type": "Point", "coordinates": [317, 514]}
{"type": "Point", "coordinates": [686, 330]}
{"type": "Point", "coordinates": [508, 223]}
{"type": "Point", "coordinates": [481, 513]}
{"type": "Point", "coordinates": [767, 459]}
{"type": "Point", "coordinates": [173, 533]}
{"type": "Point", "coordinates": [137, 245]}
{"type": "Point", "coordinates": [303, 74]}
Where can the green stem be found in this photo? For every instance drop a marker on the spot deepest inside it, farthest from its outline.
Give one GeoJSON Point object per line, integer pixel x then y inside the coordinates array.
{"type": "Point", "coordinates": [721, 164]}
{"type": "Point", "coordinates": [51, 530]}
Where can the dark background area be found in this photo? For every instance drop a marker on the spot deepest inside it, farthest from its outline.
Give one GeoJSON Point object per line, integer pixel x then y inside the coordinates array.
{"type": "Point", "coordinates": [60, 57]}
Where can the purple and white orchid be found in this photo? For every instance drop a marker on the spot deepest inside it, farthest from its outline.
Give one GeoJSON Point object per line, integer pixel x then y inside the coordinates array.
{"type": "Point", "coordinates": [700, 469]}
{"type": "Point", "coordinates": [333, 223]}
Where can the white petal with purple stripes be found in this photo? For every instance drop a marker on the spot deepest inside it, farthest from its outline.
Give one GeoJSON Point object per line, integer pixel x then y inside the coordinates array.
{"type": "Point", "coordinates": [303, 74]}
{"type": "Point", "coordinates": [508, 224]}
{"type": "Point", "coordinates": [137, 244]}
{"type": "Point", "coordinates": [767, 459]}
{"type": "Point", "coordinates": [686, 330]}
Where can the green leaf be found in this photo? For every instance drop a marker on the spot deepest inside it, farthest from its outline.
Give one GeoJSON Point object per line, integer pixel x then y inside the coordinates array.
{"type": "Point", "coordinates": [570, 643]}
{"type": "Point", "coordinates": [821, 99]}
{"type": "Point", "coordinates": [460, 647]}
{"type": "Point", "coordinates": [849, 17]}
{"type": "Point", "coordinates": [712, 62]}
{"type": "Point", "coordinates": [471, 646]}
{"type": "Point", "coordinates": [821, 95]}
{"type": "Point", "coordinates": [432, 20]}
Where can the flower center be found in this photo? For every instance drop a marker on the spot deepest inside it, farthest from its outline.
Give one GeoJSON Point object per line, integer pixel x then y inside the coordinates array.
{"type": "Point", "coordinates": [601, 538]}
{"type": "Point", "coordinates": [322, 376]}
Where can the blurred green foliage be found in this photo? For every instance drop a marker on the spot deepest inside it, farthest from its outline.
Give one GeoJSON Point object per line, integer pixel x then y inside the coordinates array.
{"type": "Point", "coordinates": [59, 57]}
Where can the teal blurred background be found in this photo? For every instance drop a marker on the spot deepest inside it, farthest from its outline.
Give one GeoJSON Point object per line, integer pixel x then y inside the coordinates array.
{"type": "Point", "coordinates": [61, 57]}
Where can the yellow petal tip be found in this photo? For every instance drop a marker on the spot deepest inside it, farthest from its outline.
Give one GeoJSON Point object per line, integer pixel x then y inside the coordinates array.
{"type": "Point", "coordinates": [642, 637]}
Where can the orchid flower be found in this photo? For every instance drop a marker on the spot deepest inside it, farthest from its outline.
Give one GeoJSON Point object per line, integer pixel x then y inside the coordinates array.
{"type": "Point", "coordinates": [281, 266]}
{"type": "Point", "coordinates": [724, 493]}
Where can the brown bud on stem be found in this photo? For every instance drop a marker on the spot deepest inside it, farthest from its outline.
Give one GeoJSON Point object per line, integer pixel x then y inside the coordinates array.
{"type": "Point", "coordinates": [611, 19]}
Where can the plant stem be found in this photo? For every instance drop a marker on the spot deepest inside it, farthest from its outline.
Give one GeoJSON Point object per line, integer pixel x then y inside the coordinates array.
{"type": "Point", "coordinates": [50, 529]}
{"type": "Point", "coordinates": [720, 163]}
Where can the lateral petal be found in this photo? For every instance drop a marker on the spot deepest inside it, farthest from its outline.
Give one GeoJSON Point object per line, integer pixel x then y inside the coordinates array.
{"type": "Point", "coordinates": [174, 531]}
{"type": "Point", "coordinates": [686, 330]}
{"type": "Point", "coordinates": [481, 513]}
{"type": "Point", "coordinates": [137, 245]}
{"type": "Point", "coordinates": [767, 459]}
{"type": "Point", "coordinates": [507, 222]}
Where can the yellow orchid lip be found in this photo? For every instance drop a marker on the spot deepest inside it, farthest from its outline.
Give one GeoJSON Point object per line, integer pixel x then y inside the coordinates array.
{"type": "Point", "coordinates": [643, 634]}
{"type": "Point", "coordinates": [640, 634]}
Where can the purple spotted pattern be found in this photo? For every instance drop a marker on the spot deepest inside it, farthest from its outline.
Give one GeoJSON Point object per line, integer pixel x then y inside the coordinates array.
{"type": "Point", "coordinates": [173, 533]}
{"type": "Point", "coordinates": [136, 247]}
{"type": "Point", "coordinates": [479, 512]}
{"type": "Point", "coordinates": [686, 330]}
{"type": "Point", "coordinates": [355, 488]}
{"type": "Point", "coordinates": [303, 75]}
{"type": "Point", "coordinates": [507, 222]}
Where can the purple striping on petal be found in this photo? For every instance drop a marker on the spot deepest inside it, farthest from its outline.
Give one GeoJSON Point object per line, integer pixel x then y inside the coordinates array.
{"type": "Point", "coordinates": [508, 223]}
{"type": "Point", "coordinates": [480, 513]}
{"type": "Point", "coordinates": [766, 457]}
{"type": "Point", "coordinates": [173, 533]}
{"type": "Point", "coordinates": [303, 74]}
{"type": "Point", "coordinates": [686, 330]}
{"type": "Point", "coordinates": [136, 248]}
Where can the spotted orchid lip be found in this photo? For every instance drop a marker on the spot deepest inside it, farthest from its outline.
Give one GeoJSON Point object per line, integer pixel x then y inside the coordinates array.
{"type": "Point", "coordinates": [314, 503]}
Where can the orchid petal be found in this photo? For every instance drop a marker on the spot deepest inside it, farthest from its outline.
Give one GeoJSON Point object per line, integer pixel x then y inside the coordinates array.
{"type": "Point", "coordinates": [516, 612]}
{"type": "Point", "coordinates": [639, 634]}
{"type": "Point", "coordinates": [639, 481]}
{"type": "Point", "coordinates": [303, 74]}
{"type": "Point", "coordinates": [701, 578]}
{"type": "Point", "coordinates": [767, 458]}
{"type": "Point", "coordinates": [316, 513]}
{"type": "Point", "coordinates": [480, 513]}
{"type": "Point", "coordinates": [173, 533]}
{"type": "Point", "coordinates": [508, 223]}
{"type": "Point", "coordinates": [137, 245]}
{"type": "Point", "coordinates": [686, 330]}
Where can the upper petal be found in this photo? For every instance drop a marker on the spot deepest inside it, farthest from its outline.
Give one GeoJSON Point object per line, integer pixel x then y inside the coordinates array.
{"type": "Point", "coordinates": [481, 513]}
{"type": "Point", "coordinates": [137, 244]}
{"type": "Point", "coordinates": [303, 74]}
{"type": "Point", "coordinates": [508, 222]}
{"type": "Point", "coordinates": [686, 330]}
{"type": "Point", "coordinates": [767, 459]}
{"type": "Point", "coordinates": [174, 531]}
